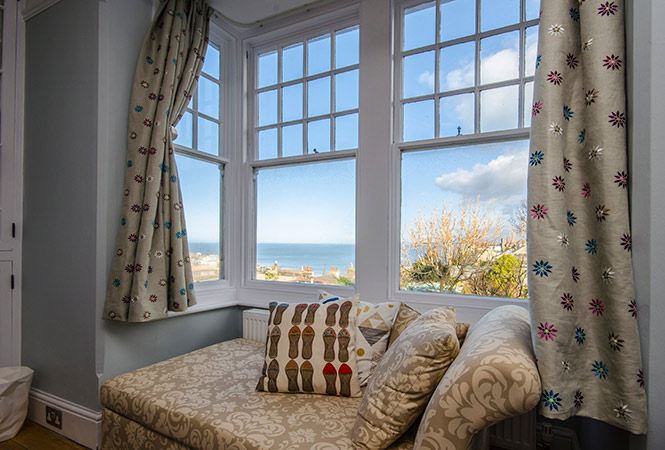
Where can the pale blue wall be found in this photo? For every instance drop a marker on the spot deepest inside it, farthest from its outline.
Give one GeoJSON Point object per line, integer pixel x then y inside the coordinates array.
{"type": "Point", "coordinates": [58, 297]}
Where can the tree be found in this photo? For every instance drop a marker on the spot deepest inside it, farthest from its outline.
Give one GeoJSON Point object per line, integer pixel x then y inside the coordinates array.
{"type": "Point", "coordinates": [445, 248]}
{"type": "Point", "coordinates": [504, 277]}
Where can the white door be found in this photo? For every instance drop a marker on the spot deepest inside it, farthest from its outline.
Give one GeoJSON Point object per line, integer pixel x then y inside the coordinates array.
{"type": "Point", "coordinates": [6, 315]}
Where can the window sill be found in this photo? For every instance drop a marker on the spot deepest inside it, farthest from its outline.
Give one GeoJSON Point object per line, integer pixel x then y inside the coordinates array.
{"type": "Point", "coordinates": [208, 299]}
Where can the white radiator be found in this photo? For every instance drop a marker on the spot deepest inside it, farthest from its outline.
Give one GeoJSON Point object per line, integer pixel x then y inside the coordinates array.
{"type": "Point", "coordinates": [518, 433]}
{"type": "Point", "coordinates": [255, 324]}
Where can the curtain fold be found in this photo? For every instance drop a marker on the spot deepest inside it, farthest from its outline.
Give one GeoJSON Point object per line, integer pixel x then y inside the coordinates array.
{"type": "Point", "coordinates": [151, 272]}
{"type": "Point", "coordinates": [583, 309]}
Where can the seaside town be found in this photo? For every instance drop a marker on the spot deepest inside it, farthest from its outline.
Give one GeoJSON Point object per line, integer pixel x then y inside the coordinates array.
{"type": "Point", "coordinates": [331, 276]}
{"type": "Point", "coordinates": [205, 267]}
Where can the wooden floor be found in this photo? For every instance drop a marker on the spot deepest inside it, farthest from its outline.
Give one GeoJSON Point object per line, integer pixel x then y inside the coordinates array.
{"type": "Point", "coordinates": [36, 437]}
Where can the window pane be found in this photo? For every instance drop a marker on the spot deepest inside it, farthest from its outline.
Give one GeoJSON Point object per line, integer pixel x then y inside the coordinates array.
{"type": "Point", "coordinates": [298, 239]}
{"type": "Point", "coordinates": [418, 74]}
{"type": "Point", "coordinates": [318, 54]}
{"type": "Point", "coordinates": [211, 63]}
{"type": "Point", "coordinates": [419, 120]}
{"type": "Point", "coordinates": [456, 115]}
{"type": "Point", "coordinates": [318, 97]}
{"type": "Point", "coordinates": [208, 92]}
{"type": "Point", "coordinates": [267, 69]}
{"type": "Point", "coordinates": [532, 9]}
{"type": "Point", "coordinates": [346, 90]}
{"type": "Point", "coordinates": [268, 107]}
{"type": "Point", "coordinates": [442, 187]}
{"type": "Point", "coordinates": [292, 62]}
{"type": "Point", "coordinates": [531, 51]}
{"type": "Point", "coordinates": [292, 140]}
{"type": "Point", "coordinates": [184, 129]}
{"type": "Point", "coordinates": [200, 185]}
{"type": "Point", "coordinates": [498, 13]}
{"type": "Point", "coordinates": [528, 103]}
{"type": "Point", "coordinates": [208, 136]}
{"type": "Point", "coordinates": [268, 143]}
{"type": "Point", "coordinates": [419, 25]}
{"type": "Point", "coordinates": [498, 108]}
{"type": "Point", "coordinates": [346, 47]}
{"type": "Point", "coordinates": [292, 102]}
{"type": "Point", "coordinates": [499, 57]}
{"type": "Point", "coordinates": [458, 66]}
{"type": "Point", "coordinates": [346, 132]}
{"type": "Point", "coordinates": [458, 19]}
{"type": "Point", "coordinates": [318, 136]}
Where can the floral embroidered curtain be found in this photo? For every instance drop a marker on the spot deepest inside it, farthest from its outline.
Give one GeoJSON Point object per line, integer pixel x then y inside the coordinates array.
{"type": "Point", "coordinates": [583, 309]}
{"type": "Point", "coordinates": [151, 272]}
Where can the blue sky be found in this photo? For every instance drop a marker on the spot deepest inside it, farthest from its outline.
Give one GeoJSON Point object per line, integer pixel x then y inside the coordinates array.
{"type": "Point", "coordinates": [316, 202]}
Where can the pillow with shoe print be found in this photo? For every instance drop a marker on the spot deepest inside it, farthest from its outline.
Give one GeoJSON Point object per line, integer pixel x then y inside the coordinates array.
{"type": "Point", "coordinates": [311, 349]}
{"type": "Point", "coordinates": [374, 325]}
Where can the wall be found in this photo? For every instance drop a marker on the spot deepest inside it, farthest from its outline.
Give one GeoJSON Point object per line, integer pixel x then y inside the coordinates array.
{"type": "Point", "coordinates": [646, 95]}
{"type": "Point", "coordinates": [80, 62]}
{"type": "Point", "coordinates": [58, 326]}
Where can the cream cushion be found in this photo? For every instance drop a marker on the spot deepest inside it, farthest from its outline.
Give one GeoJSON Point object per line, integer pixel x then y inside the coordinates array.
{"type": "Point", "coordinates": [493, 378]}
{"type": "Point", "coordinates": [404, 379]}
{"type": "Point", "coordinates": [405, 317]}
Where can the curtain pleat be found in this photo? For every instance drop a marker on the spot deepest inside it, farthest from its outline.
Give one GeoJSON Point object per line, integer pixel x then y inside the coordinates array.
{"type": "Point", "coordinates": [583, 309]}
{"type": "Point", "coordinates": [151, 271]}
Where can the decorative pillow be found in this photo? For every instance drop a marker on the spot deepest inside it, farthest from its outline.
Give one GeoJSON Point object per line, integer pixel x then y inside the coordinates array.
{"type": "Point", "coordinates": [311, 348]}
{"type": "Point", "coordinates": [374, 322]}
{"type": "Point", "coordinates": [405, 378]}
{"type": "Point", "coordinates": [374, 325]}
{"type": "Point", "coordinates": [407, 315]}
{"type": "Point", "coordinates": [493, 378]}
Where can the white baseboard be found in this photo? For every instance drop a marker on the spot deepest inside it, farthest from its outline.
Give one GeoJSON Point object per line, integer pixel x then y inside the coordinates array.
{"type": "Point", "coordinates": [80, 424]}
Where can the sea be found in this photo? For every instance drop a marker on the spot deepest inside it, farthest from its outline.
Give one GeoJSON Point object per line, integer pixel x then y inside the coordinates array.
{"type": "Point", "coordinates": [319, 257]}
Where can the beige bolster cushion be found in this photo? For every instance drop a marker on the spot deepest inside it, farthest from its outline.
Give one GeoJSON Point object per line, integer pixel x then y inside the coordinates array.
{"type": "Point", "coordinates": [494, 377]}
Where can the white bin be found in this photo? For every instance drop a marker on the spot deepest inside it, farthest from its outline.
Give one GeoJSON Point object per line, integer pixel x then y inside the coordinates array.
{"type": "Point", "coordinates": [14, 388]}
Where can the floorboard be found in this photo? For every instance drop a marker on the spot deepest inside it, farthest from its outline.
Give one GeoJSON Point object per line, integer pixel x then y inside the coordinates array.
{"type": "Point", "coordinates": [36, 437]}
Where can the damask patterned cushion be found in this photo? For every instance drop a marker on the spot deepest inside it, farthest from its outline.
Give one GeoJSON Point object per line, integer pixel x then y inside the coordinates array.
{"type": "Point", "coordinates": [311, 348]}
{"type": "Point", "coordinates": [407, 315]}
{"type": "Point", "coordinates": [405, 378]}
{"type": "Point", "coordinates": [493, 378]}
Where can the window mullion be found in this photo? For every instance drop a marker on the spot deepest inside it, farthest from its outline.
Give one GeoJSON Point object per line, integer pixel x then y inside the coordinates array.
{"type": "Point", "coordinates": [437, 62]}
{"type": "Point", "coordinates": [279, 107]}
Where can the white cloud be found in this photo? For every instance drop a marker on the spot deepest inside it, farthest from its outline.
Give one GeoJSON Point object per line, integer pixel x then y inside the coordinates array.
{"type": "Point", "coordinates": [502, 180]}
{"type": "Point", "coordinates": [499, 66]}
{"type": "Point", "coordinates": [460, 78]}
{"type": "Point", "coordinates": [427, 79]}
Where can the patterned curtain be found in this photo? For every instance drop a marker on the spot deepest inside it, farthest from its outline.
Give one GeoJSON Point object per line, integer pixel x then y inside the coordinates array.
{"type": "Point", "coordinates": [583, 309]}
{"type": "Point", "coordinates": [151, 272]}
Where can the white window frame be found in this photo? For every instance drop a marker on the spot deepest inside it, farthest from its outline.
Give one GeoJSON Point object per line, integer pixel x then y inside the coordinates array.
{"type": "Point", "coordinates": [300, 28]}
{"type": "Point", "coordinates": [472, 302]}
{"type": "Point", "coordinates": [217, 293]}
{"type": "Point", "coordinates": [309, 34]}
{"type": "Point", "coordinates": [378, 174]}
{"type": "Point", "coordinates": [477, 87]}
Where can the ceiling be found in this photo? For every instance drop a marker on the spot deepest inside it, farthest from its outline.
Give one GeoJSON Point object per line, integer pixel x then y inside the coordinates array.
{"type": "Point", "coordinates": [251, 11]}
